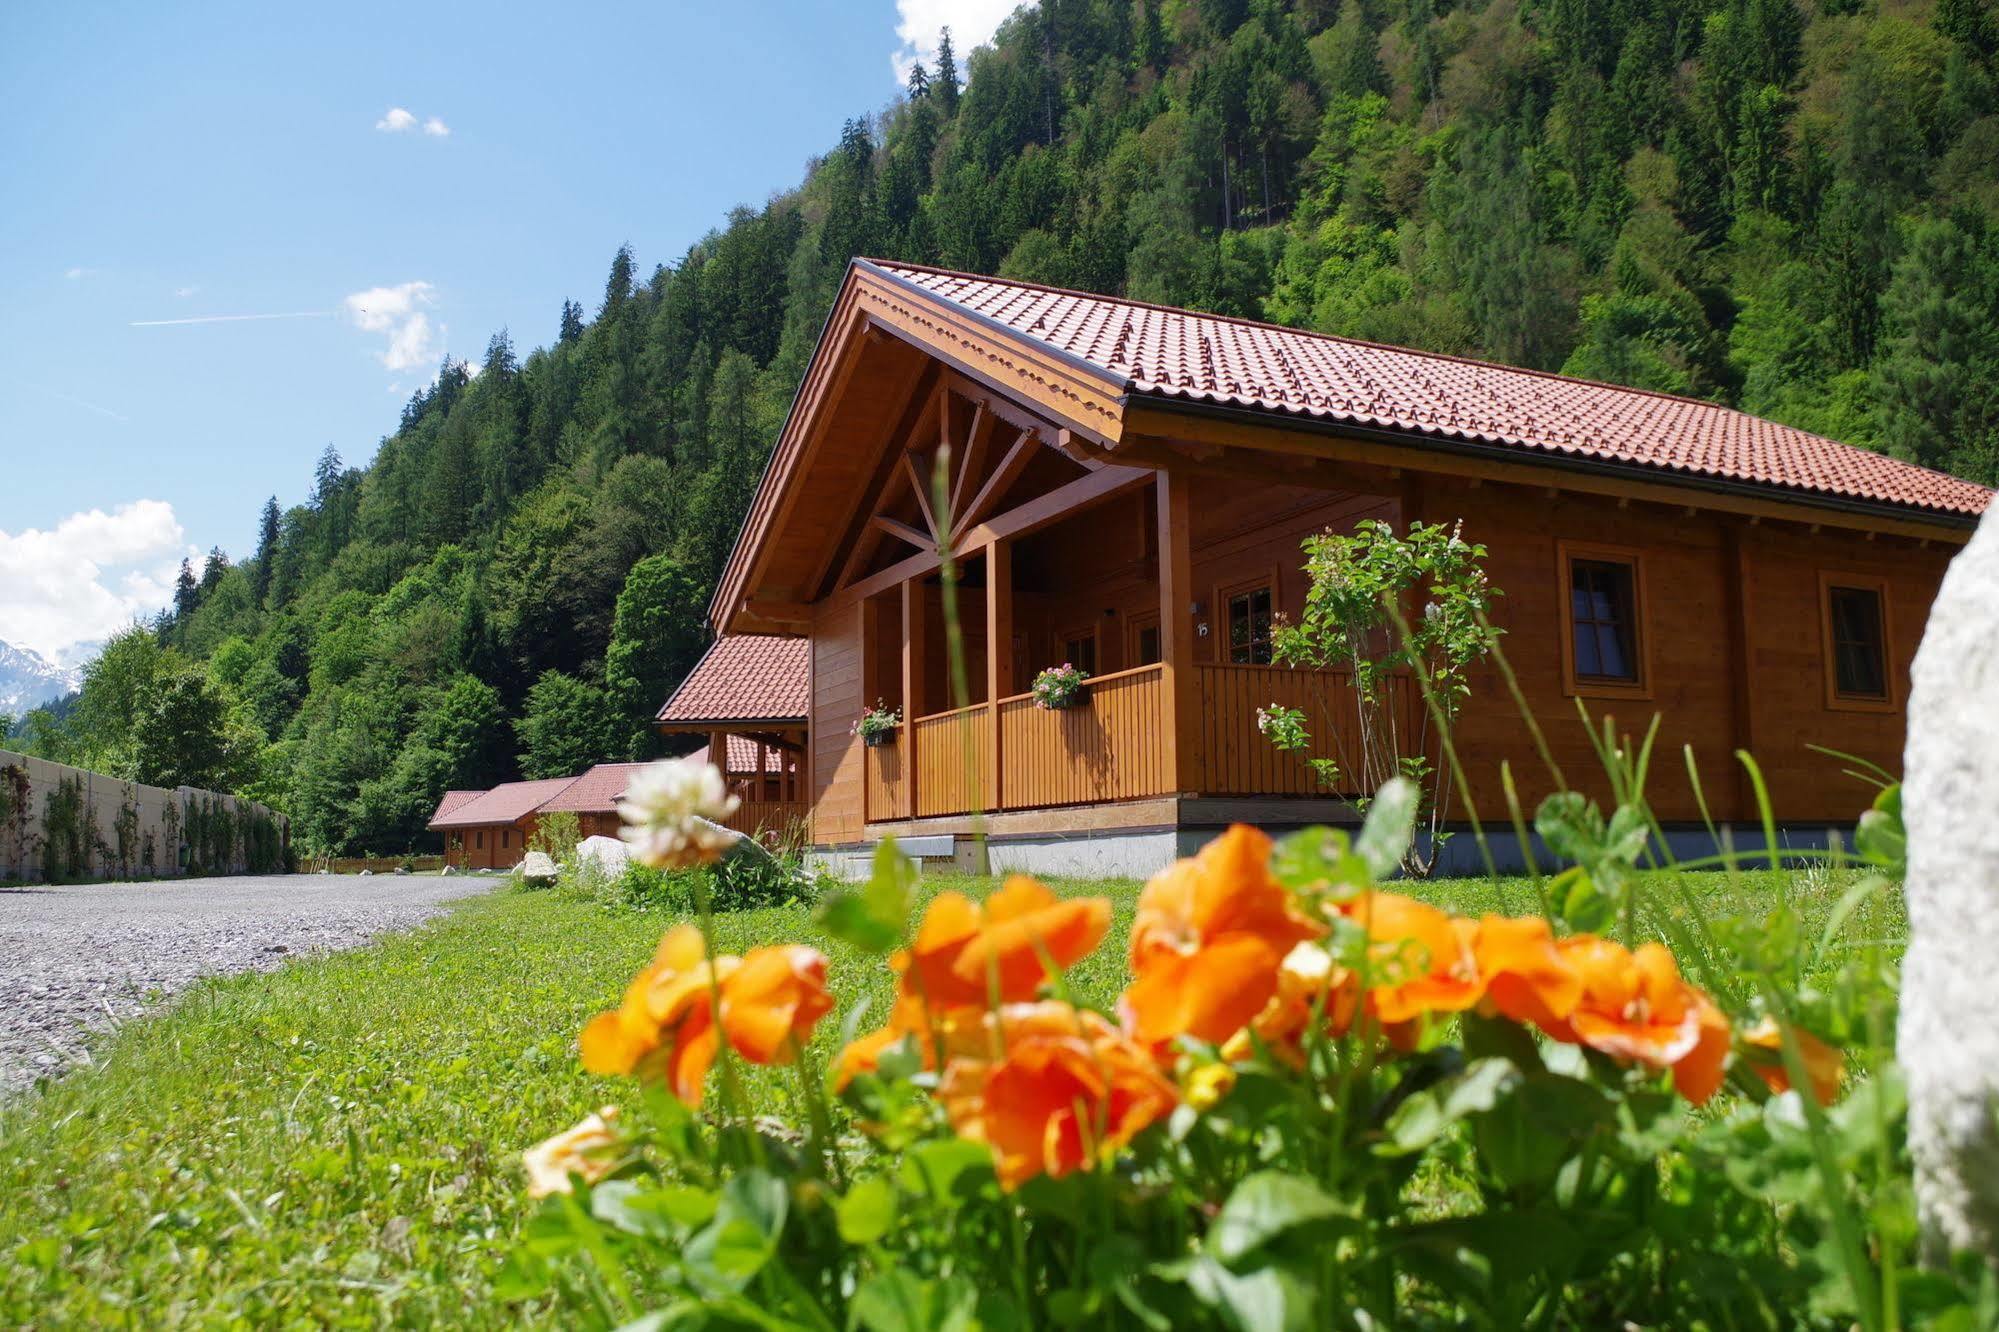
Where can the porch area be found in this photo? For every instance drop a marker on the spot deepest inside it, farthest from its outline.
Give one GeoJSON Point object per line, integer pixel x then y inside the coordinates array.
{"type": "Point", "coordinates": [1167, 601]}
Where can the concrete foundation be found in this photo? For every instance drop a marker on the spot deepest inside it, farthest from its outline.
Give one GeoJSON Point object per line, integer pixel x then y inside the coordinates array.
{"type": "Point", "coordinates": [1139, 853]}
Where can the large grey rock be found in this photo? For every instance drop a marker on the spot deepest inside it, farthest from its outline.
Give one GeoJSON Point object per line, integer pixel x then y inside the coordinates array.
{"type": "Point", "coordinates": [538, 869]}
{"type": "Point", "coordinates": [1948, 1042]}
{"type": "Point", "coordinates": [610, 855]}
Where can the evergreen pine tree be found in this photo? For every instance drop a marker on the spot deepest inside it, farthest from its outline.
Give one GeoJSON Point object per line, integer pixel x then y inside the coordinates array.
{"type": "Point", "coordinates": [187, 592]}
{"type": "Point", "coordinates": [919, 81]}
{"type": "Point", "coordinates": [572, 323]}
{"type": "Point", "coordinates": [946, 81]}
{"type": "Point", "coordinates": [267, 549]}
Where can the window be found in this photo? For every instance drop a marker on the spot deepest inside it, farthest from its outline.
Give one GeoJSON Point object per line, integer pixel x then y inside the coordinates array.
{"type": "Point", "coordinates": [1856, 641]}
{"type": "Point", "coordinates": [479, 839]}
{"type": "Point", "coordinates": [1603, 621]}
{"type": "Point", "coordinates": [1249, 625]}
{"type": "Point", "coordinates": [505, 834]}
{"type": "Point", "coordinates": [1143, 647]}
{"type": "Point", "coordinates": [1602, 607]}
{"type": "Point", "coordinates": [1080, 650]}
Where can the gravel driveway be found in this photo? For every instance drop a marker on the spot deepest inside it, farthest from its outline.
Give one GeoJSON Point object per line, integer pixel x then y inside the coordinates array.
{"type": "Point", "coordinates": [88, 955]}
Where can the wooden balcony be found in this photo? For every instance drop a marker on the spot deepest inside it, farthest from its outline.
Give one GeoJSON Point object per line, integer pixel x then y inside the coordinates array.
{"type": "Point", "coordinates": [1112, 746]}
{"type": "Point", "coordinates": [768, 818]}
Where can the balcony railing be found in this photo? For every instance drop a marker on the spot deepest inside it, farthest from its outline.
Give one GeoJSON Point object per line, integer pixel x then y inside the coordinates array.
{"type": "Point", "coordinates": [1112, 746]}
{"type": "Point", "coordinates": [1236, 758]}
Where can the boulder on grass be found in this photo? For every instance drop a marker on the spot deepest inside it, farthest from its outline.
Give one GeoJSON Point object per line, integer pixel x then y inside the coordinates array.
{"type": "Point", "coordinates": [1947, 1043]}
{"type": "Point", "coordinates": [538, 870]}
{"type": "Point", "coordinates": [610, 855]}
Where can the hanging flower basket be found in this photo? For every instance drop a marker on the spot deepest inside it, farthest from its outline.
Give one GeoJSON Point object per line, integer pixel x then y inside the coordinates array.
{"type": "Point", "coordinates": [877, 726]}
{"type": "Point", "coordinates": [1060, 687]}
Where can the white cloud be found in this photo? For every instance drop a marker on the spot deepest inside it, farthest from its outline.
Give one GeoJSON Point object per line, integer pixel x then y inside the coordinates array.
{"type": "Point", "coordinates": [89, 575]}
{"type": "Point", "coordinates": [399, 313]}
{"type": "Point", "coordinates": [436, 128]}
{"type": "Point", "coordinates": [397, 121]}
{"type": "Point", "coordinates": [972, 23]}
{"type": "Point", "coordinates": [185, 292]}
{"type": "Point", "coordinates": [79, 272]}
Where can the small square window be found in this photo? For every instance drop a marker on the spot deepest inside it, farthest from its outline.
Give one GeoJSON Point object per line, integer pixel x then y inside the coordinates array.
{"type": "Point", "coordinates": [1148, 645]}
{"type": "Point", "coordinates": [1859, 648]}
{"type": "Point", "coordinates": [1249, 626]}
{"type": "Point", "coordinates": [1603, 621]}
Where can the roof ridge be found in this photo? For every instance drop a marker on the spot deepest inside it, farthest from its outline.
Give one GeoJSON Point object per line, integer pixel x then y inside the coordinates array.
{"type": "Point", "coordinates": [1455, 358]}
{"type": "Point", "coordinates": [895, 267]}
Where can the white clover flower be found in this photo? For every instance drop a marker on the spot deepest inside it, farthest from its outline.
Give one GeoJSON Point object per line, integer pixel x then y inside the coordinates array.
{"type": "Point", "coordinates": [673, 811]}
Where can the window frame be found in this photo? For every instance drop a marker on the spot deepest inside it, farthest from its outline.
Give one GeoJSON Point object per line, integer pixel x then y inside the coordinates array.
{"type": "Point", "coordinates": [1135, 625]}
{"type": "Point", "coordinates": [1064, 637]}
{"type": "Point", "coordinates": [1224, 593]}
{"type": "Point", "coordinates": [1889, 700]}
{"type": "Point", "coordinates": [1575, 685]}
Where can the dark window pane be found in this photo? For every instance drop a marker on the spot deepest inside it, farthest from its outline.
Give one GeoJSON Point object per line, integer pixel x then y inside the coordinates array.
{"type": "Point", "coordinates": [1081, 653]}
{"type": "Point", "coordinates": [1148, 645]}
{"type": "Point", "coordinates": [1603, 613]}
{"type": "Point", "coordinates": [1249, 627]}
{"type": "Point", "coordinates": [1859, 666]}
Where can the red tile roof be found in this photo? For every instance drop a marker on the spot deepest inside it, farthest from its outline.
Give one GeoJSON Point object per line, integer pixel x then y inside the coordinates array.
{"type": "Point", "coordinates": [743, 756]}
{"type": "Point", "coordinates": [506, 803]}
{"type": "Point", "coordinates": [1159, 352]}
{"type": "Point", "coordinates": [744, 678]}
{"type": "Point", "coordinates": [452, 800]}
{"type": "Point", "coordinates": [596, 792]}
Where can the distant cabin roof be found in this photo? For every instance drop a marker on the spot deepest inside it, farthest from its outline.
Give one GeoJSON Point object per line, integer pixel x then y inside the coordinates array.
{"type": "Point", "coordinates": [1158, 352]}
{"type": "Point", "coordinates": [743, 756]}
{"type": "Point", "coordinates": [452, 800]}
{"type": "Point", "coordinates": [745, 678]}
{"type": "Point", "coordinates": [509, 802]}
{"type": "Point", "coordinates": [597, 791]}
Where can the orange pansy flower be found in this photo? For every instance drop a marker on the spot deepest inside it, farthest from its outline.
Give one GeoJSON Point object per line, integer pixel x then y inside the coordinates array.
{"type": "Point", "coordinates": [1764, 1044]}
{"type": "Point", "coordinates": [1635, 1006]}
{"type": "Point", "coordinates": [1064, 1091]}
{"type": "Point", "coordinates": [1210, 935]}
{"type": "Point", "coordinates": [1307, 973]}
{"type": "Point", "coordinates": [963, 952]}
{"type": "Point", "coordinates": [1421, 959]}
{"type": "Point", "coordinates": [770, 1002]}
{"type": "Point", "coordinates": [1526, 976]}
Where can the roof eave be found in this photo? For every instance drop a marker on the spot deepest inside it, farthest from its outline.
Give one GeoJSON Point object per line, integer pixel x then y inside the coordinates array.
{"type": "Point", "coordinates": [1544, 458]}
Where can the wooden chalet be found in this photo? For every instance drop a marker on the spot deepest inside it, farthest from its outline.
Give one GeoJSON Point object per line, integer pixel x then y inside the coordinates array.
{"type": "Point", "coordinates": [490, 829]}
{"type": "Point", "coordinates": [1125, 487]}
{"type": "Point", "coordinates": [748, 697]}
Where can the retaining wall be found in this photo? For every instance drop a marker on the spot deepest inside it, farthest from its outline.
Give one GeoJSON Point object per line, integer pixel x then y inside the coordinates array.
{"type": "Point", "coordinates": [125, 829]}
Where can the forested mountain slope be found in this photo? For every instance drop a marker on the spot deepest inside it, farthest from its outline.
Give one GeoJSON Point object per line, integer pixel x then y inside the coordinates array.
{"type": "Point", "coordinates": [1788, 207]}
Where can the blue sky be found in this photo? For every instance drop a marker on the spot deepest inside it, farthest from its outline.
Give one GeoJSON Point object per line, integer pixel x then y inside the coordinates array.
{"type": "Point", "coordinates": [399, 181]}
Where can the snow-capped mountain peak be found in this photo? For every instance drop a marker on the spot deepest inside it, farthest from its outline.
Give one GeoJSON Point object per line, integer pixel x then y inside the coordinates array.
{"type": "Point", "coordinates": [28, 679]}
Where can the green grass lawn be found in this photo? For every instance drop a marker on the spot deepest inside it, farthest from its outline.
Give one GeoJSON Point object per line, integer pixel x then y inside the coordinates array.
{"type": "Point", "coordinates": [337, 1143]}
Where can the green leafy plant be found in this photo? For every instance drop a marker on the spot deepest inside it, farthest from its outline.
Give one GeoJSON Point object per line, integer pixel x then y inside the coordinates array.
{"type": "Point", "coordinates": [557, 834]}
{"type": "Point", "coordinates": [1387, 608]}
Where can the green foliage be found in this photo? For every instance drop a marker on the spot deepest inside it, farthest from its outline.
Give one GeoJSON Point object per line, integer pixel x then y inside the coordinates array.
{"type": "Point", "coordinates": [69, 828]}
{"type": "Point", "coordinates": [568, 725]}
{"type": "Point", "coordinates": [1407, 617]}
{"type": "Point", "coordinates": [557, 834]}
{"type": "Point", "coordinates": [655, 640]}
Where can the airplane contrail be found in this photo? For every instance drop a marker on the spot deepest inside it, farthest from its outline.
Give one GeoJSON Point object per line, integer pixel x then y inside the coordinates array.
{"type": "Point", "coordinates": [231, 319]}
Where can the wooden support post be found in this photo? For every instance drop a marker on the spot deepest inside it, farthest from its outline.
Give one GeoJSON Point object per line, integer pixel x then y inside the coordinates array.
{"type": "Point", "coordinates": [913, 669]}
{"type": "Point", "coordinates": [1181, 726]}
{"type": "Point", "coordinates": [999, 656]}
